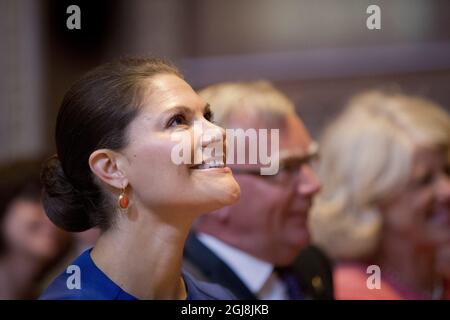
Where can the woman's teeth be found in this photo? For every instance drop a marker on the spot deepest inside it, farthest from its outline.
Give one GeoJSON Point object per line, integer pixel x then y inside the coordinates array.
{"type": "Point", "coordinates": [209, 164]}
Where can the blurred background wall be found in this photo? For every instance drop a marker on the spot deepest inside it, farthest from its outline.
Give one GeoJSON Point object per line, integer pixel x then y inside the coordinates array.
{"type": "Point", "coordinates": [317, 51]}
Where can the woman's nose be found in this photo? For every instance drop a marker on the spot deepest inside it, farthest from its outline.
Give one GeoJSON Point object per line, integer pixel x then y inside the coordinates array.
{"type": "Point", "coordinates": [212, 134]}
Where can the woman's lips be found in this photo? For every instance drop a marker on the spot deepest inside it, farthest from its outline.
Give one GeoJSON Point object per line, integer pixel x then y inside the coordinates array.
{"type": "Point", "coordinates": [208, 164]}
{"type": "Point", "coordinates": [221, 170]}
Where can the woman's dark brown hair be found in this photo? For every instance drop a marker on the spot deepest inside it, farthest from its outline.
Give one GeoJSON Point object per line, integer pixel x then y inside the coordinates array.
{"type": "Point", "coordinates": [94, 114]}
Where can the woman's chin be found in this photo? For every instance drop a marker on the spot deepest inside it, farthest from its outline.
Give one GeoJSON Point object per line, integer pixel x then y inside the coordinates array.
{"type": "Point", "coordinates": [220, 193]}
{"type": "Point", "coordinates": [232, 194]}
{"type": "Point", "coordinates": [218, 185]}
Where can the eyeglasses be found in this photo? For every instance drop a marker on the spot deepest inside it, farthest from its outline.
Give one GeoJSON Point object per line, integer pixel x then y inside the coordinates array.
{"type": "Point", "coordinates": [290, 163]}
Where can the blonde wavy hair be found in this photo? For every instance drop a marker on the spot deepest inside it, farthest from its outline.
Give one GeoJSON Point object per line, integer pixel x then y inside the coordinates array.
{"type": "Point", "coordinates": [366, 157]}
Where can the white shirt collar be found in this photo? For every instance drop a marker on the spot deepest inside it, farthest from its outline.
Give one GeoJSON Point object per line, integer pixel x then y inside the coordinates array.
{"type": "Point", "coordinates": [253, 272]}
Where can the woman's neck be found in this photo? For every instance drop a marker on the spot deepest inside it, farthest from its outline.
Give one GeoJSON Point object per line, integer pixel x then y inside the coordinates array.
{"type": "Point", "coordinates": [143, 254]}
{"type": "Point", "coordinates": [406, 266]}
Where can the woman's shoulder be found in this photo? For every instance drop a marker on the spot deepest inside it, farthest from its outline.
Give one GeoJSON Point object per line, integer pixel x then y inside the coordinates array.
{"type": "Point", "coordinates": [350, 283]}
{"type": "Point", "coordinates": [201, 290]}
{"type": "Point", "coordinates": [82, 280]}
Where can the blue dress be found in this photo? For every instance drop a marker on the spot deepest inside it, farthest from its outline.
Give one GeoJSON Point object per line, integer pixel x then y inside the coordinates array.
{"type": "Point", "coordinates": [94, 284]}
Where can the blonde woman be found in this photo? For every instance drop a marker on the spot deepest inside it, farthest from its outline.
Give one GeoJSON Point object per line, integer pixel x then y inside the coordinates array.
{"type": "Point", "coordinates": [386, 196]}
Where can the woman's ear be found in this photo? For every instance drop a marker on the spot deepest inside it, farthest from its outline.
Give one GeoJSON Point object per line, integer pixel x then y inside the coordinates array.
{"type": "Point", "coordinates": [104, 163]}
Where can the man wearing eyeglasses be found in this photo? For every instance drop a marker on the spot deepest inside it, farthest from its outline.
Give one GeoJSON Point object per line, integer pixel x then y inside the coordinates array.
{"type": "Point", "coordinates": [259, 247]}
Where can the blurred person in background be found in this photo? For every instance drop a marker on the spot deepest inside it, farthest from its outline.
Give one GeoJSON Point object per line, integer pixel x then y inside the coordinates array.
{"type": "Point", "coordinates": [385, 196]}
{"type": "Point", "coordinates": [30, 244]}
{"type": "Point", "coordinates": [253, 247]}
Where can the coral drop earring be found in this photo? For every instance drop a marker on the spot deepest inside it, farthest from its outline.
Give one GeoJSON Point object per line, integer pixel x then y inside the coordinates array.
{"type": "Point", "coordinates": [123, 200]}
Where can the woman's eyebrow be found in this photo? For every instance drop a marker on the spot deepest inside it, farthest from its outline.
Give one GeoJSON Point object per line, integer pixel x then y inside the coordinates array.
{"type": "Point", "coordinates": [185, 109]}
{"type": "Point", "coordinates": [176, 109]}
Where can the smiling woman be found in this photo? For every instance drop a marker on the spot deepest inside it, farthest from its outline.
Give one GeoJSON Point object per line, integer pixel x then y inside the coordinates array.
{"type": "Point", "coordinates": [113, 170]}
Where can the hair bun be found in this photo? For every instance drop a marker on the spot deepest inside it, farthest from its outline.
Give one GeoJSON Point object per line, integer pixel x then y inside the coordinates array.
{"type": "Point", "coordinates": [63, 203]}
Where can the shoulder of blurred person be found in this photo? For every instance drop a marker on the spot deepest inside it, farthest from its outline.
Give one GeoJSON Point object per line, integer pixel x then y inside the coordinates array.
{"type": "Point", "coordinates": [30, 246]}
{"type": "Point", "coordinates": [443, 267]}
{"type": "Point", "coordinates": [205, 265]}
{"type": "Point", "coordinates": [312, 269]}
{"type": "Point", "coordinates": [350, 283]}
{"type": "Point", "coordinates": [315, 272]}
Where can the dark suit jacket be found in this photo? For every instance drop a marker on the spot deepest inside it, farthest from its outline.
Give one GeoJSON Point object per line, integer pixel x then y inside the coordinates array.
{"type": "Point", "coordinates": [312, 269]}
